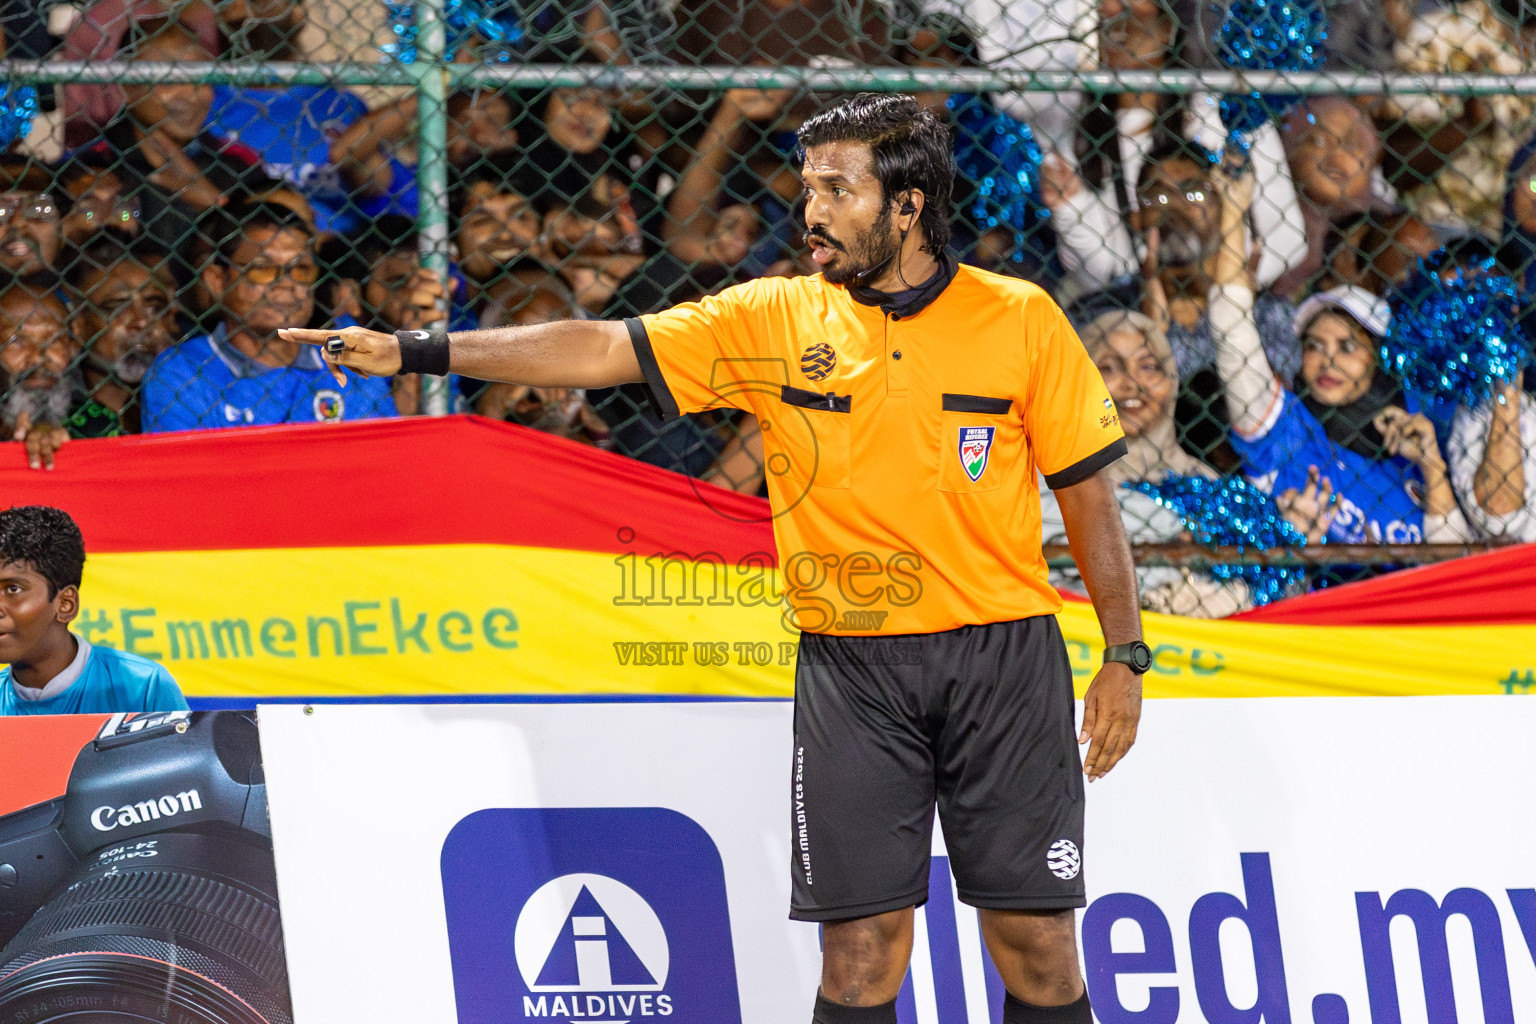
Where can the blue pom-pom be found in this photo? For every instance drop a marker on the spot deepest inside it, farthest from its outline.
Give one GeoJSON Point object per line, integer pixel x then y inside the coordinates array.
{"type": "Point", "coordinates": [1001, 156]}
{"type": "Point", "coordinates": [1454, 334]}
{"type": "Point", "coordinates": [18, 105]}
{"type": "Point", "coordinates": [492, 21]}
{"type": "Point", "coordinates": [1267, 35]}
{"type": "Point", "coordinates": [1229, 511]}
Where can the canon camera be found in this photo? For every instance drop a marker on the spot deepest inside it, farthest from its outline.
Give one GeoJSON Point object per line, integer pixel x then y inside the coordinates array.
{"type": "Point", "coordinates": [147, 891]}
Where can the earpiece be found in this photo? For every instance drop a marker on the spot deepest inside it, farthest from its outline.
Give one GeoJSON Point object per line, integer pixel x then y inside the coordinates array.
{"type": "Point", "coordinates": [908, 208]}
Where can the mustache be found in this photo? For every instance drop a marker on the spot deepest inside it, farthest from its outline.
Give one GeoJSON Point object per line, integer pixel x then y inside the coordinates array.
{"type": "Point", "coordinates": [827, 240]}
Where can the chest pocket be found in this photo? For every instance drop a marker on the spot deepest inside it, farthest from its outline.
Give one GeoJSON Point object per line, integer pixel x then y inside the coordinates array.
{"type": "Point", "coordinates": [979, 443]}
{"type": "Point", "coordinates": [807, 440]}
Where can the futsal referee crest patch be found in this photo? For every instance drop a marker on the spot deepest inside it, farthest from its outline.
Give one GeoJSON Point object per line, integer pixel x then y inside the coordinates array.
{"type": "Point", "coordinates": [817, 361]}
{"type": "Point", "coordinates": [975, 448]}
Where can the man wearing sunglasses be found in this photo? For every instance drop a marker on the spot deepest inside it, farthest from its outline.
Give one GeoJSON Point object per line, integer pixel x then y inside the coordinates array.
{"type": "Point", "coordinates": [1177, 221]}
{"type": "Point", "coordinates": [262, 277]}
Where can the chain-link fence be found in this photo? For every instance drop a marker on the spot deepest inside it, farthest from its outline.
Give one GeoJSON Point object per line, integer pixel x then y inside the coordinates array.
{"type": "Point", "coordinates": [1308, 400]}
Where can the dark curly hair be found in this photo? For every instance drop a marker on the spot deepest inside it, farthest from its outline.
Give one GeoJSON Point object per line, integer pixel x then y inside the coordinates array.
{"type": "Point", "coordinates": [46, 540]}
{"type": "Point", "coordinates": [912, 149]}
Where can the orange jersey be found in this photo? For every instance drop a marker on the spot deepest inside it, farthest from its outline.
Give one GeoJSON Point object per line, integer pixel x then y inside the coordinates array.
{"type": "Point", "coordinates": [900, 451]}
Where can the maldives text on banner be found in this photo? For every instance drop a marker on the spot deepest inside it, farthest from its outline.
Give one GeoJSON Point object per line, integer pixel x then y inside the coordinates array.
{"type": "Point", "coordinates": [508, 562]}
{"type": "Point", "coordinates": [1322, 860]}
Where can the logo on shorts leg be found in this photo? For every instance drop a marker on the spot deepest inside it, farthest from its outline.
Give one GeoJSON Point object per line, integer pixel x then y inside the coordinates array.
{"type": "Point", "coordinates": [1063, 859]}
{"type": "Point", "coordinates": [975, 446]}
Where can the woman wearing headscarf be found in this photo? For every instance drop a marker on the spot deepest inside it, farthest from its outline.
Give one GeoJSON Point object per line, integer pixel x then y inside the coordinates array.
{"type": "Point", "coordinates": [1347, 453]}
{"type": "Point", "coordinates": [1134, 356]}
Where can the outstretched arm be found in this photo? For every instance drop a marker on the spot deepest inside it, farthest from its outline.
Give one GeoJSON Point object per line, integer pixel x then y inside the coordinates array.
{"type": "Point", "coordinates": [1499, 483]}
{"type": "Point", "coordinates": [1112, 706]}
{"type": "Point", "coordinates": [1253, 393]}
{"type": "Point", "coordinates": [567, 353]}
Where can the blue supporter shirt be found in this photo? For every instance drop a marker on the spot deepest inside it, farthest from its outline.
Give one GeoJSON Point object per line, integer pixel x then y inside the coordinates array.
{"type": "Point", "coordinates": [292, 128]}
{"type": "Point", "coordinates": [1378, 499]}
{"type": "Point", "coordinates": [111, 682]}
{"type": "Point", "coordinates": [207, 382]}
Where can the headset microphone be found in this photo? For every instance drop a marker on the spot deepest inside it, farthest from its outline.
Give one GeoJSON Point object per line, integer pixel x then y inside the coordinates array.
{"type": "Point", "coordinates": [861, 275]}
{"type": "Point", "coordinates": [907, 209]}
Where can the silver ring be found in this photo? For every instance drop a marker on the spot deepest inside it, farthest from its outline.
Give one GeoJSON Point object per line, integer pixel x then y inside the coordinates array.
{"type": "Point", "coordinates": [334, 346]}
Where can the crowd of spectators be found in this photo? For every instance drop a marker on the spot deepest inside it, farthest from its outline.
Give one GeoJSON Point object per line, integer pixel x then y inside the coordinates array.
{"type": "Point", "coordinates": [147, 262]}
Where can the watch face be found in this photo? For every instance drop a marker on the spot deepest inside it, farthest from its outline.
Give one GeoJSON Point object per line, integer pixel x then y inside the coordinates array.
{"type": "Point", "coordinates": [1141, 657]}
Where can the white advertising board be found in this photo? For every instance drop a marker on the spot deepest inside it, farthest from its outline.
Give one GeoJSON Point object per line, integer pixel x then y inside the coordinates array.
{"type": "Point", "coordinates": [1297, 860]}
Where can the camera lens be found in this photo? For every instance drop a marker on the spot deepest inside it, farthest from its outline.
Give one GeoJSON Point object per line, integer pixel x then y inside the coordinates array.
{"type": "Point", "coordinates": [174, 928]}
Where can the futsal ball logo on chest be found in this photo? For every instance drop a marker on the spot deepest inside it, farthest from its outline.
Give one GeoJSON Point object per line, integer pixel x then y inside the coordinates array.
{"type": "Point", "coordinates": [818, 361]}
{"type": "Point", "coordinates": [588, 916]}
{"type": "Point", "coordinates": [975, 450]}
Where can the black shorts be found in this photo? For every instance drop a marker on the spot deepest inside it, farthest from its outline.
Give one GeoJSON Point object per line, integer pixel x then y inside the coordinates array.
{"type": "Point", "coordinates": [979, 720]}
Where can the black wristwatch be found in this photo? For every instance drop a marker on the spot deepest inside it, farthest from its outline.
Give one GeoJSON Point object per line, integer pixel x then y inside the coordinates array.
{"type": "Point", "coordinates": [1135, 654]}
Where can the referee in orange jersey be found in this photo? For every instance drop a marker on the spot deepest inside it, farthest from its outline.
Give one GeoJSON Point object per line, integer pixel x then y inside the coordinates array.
{"type": "Point", "coordinates": [906, 405]}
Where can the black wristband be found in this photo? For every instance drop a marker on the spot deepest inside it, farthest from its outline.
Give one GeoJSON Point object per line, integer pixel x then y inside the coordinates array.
{"type": "Point", "coordinates": [424, 351]}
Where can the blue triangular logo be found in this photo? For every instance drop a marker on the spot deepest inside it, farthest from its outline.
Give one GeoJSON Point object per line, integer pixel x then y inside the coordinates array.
{"type": "Point", "coordinates": [590, 953]}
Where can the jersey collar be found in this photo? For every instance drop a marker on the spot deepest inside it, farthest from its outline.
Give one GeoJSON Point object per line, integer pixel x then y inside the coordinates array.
{"type": "Point", "coordinates": [913, 301]}
{"type": "Point", "coordinates": [61, 682]}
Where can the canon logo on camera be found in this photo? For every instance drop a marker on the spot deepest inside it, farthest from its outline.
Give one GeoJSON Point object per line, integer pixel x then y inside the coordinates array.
{"type": "Point", "coordinates": [106, 817]}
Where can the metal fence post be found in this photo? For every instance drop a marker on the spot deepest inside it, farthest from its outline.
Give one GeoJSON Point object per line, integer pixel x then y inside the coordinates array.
{"type": "Point", "coordinates": [432, 167]}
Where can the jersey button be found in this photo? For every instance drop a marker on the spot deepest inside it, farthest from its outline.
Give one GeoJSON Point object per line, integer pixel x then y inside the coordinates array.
{"type": "Point", "coordinates": [896, 354]}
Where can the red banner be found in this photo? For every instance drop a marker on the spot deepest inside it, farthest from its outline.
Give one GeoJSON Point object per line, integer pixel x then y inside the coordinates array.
{"type": "Point", "coordinates": [461, 557]}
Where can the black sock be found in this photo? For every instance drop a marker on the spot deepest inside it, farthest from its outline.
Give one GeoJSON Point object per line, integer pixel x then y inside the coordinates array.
{"type": "Point", "coordinates": [1018, 1012]}
{"type": "Point", "coordinates": [828, 1012]}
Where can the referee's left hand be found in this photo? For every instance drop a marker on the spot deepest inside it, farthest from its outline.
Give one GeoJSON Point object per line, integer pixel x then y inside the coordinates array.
{"type": "Point", "coordinates": [366, 353]}
{"type": "Point", "coordinates": [1111, 713]}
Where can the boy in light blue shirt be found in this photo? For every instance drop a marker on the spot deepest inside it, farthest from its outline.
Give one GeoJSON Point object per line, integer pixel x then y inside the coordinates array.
{"type": "Point", "coordinates": [49, 670]}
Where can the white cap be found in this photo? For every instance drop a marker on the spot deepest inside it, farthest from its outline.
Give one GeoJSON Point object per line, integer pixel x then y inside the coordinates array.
{"type": "Point", "coordinates": [1365, 308]}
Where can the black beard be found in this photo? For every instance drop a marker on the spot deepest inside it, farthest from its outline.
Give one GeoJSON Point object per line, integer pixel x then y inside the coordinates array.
{"type": "Point", "coordinates": [1183, 248]}
{"type": "Point", "coordinates": [865, 253]}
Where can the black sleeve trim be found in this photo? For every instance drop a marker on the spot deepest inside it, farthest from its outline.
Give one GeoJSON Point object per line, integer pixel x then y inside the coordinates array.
{"type": "Point", "coordinates": [1082, 470]}
{"type": "Point", "coordinates": [655, 382]}
{"type": "Point", "coordinates": [815, 400]}
{"type": "Point", "coordinates": [976, 403]}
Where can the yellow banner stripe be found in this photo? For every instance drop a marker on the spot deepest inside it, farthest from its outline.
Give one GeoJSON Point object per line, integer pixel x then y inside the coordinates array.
{"type": "Point", "coordinates": [1205, 658]}
{"type": "Point", "coordinates": [494, 619]}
